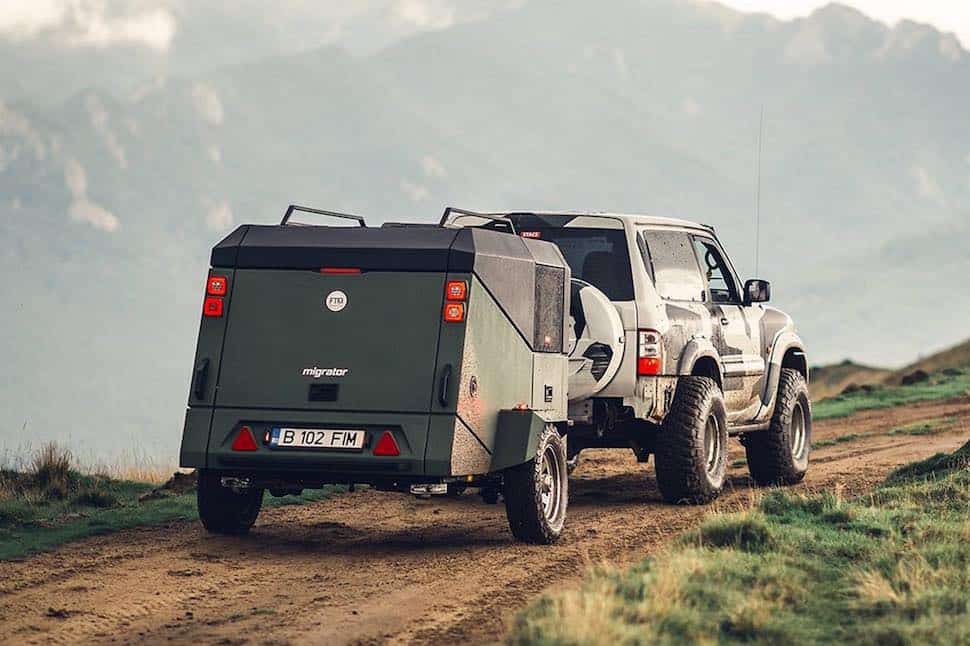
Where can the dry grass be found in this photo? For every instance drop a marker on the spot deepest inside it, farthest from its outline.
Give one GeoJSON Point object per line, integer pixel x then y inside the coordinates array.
{"type": "Point", "coordinates": [891, 568]}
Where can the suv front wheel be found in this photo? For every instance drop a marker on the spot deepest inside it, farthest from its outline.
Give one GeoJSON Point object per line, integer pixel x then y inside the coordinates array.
{"type": "Point", "coordinates": [779, 456]}
{"type": "Point", "coordinates": [691, 450]}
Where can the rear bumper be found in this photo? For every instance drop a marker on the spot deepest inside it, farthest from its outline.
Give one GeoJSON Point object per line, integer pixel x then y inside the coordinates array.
{"type": "Point", "coordinates": [432, 446]}
{"type": "Point", "coordinates": [209, 433]}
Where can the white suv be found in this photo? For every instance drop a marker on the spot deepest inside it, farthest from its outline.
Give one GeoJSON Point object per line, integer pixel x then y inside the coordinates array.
{"type": "Point", "coordinates": [671, 352]}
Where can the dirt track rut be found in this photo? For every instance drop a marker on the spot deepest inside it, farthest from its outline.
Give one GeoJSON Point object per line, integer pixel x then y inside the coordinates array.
{"type": "Point", "coordinates": [382, 568]}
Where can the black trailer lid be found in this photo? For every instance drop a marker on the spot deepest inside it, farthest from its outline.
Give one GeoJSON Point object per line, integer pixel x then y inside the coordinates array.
{"type": "Point", "coordinates": [310, 247]}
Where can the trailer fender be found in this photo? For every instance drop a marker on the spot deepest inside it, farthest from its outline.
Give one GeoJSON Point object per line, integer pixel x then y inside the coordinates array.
{"type": "Point", "coordinates": [195, 438]}
{"type": "Point", "coordinates": [516, 439]}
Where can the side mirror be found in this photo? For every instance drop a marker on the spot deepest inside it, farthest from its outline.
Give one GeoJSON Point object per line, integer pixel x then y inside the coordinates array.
{"type": "Point", "coordinates": [757, 291]}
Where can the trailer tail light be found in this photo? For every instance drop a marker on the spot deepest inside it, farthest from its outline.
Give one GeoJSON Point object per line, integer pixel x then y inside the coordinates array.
{"type": "Point", "coordinates": [456, 290]}
{"type": "Point", "coordinates": [340, 270]}
{"type": "Point", "coordinates": [217, 286]}
{"type": "Point", "coordinates": [649, 353]}
{"type": "Point", "coordinates": [387, 445]}
{"type": "Point", "coordinates": [454, 312]}
{"type": "Point", "coordinates": [245, 440]}
{"type": "Point", "coordinates": [212, 306]}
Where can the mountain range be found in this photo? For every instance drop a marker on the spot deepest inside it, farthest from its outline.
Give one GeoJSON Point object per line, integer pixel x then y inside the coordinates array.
{"type": "Point", "coordinates": [120, 168]}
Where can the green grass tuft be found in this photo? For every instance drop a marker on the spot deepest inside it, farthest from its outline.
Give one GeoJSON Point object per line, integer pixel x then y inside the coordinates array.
{"type": "Point", "coordinates": [841, 439]}
{"type": "Point", "coordinates": [745, 532]}
{"type": "Point", "coordinates": [51, 503]}
{"type": "Point", "coordinates": [890, 568]}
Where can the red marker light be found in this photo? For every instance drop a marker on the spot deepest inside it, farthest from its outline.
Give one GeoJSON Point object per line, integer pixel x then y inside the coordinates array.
{"type": "Point", "coordinates": [387, 446]}
{"type": "Point", "coordinates": [212, 306]}
{"type": "Point", "coordinates": [217, 286]}
{"type": "Point", "coordinates": [456, 290]}
{"type": "Point", "coordinates": [454, 312]}
{"type": "Point", "coordinates": [340, 270]}
{"type": "Point", "coordinates": [245, 441]}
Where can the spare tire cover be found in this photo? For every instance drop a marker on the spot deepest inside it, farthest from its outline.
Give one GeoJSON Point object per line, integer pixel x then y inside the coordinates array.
{"type": "Point", "coordinates": [595, 341]}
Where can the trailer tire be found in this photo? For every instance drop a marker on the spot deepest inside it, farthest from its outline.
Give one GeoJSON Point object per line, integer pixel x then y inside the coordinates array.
{"type": "Point", "coordinates": [690, 457]}
{"type": "Point", "coordinates": [224, 511]}
{"type": "Point", "coordinates": [779, 455]}
{"type": "Point", "coordinates": [537, 493]}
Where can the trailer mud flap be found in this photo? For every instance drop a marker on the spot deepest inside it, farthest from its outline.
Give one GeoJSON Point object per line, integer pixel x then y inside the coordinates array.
{"type": "Point", "coordinates": [195, 438]}
{"type": "Point", "coordinates": [517, 438]}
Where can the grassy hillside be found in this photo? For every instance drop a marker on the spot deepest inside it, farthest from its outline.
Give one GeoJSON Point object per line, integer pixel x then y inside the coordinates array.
{"type": "Point", "coordinates": [890, 568]}
{"type": "Point", "coordinates": [828, 381]}
{"type": "Point", "coordinates": [956, 357]}
{"type": "Point", "coordinates": [949, 384]}
{"type": "Point", "coordinates": [51, 503]}
{"type": "Point", "coordinates": [832, 380]}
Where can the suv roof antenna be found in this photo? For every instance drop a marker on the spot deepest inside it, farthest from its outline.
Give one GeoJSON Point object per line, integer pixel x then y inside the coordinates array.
{"type": "Point", "coordinates": [757, 208]}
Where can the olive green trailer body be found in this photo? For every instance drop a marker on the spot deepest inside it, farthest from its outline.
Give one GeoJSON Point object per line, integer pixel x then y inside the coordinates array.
{"type": "Point", "coordinates": [451, 341]}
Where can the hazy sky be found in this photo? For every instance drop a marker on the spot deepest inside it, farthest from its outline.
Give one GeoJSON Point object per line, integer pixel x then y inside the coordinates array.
{"type": "Point", "coordinates": [153, 22]}
{"type": "Point", "coordinates": [948, 15]}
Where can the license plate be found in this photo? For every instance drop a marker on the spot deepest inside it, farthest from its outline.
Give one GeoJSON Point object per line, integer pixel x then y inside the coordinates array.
{"type": "Point", "coordinates": [314, 438]}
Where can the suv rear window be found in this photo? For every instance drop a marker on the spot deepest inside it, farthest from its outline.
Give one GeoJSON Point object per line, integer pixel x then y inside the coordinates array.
{"type": "Point", "coordinates": [675, 270]}
{"type": "Point", "coordinates": [598, 256]}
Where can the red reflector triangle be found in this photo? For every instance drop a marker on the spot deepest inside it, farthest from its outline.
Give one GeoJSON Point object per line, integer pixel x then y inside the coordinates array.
{"type": "Point", "coordinates": [386, 445]}
{"type": "Point", "coordinates": [245, 441]}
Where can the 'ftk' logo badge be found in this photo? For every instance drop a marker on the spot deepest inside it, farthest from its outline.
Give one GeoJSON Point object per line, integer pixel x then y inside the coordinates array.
{"type": "Point", "coordinates": [336, 301]}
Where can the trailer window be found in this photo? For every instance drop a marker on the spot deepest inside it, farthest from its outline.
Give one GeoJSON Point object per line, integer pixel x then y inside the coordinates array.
{"type": "Point", "coordinates": [598, 256]}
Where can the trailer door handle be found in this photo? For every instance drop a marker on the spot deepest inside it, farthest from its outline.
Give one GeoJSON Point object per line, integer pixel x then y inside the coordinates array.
{"type": "Point", "coordinates": [201, 379]}
{"type": "Point", "coordinates": [443, 386]}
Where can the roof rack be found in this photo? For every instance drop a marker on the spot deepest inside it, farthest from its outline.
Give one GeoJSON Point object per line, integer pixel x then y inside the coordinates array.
{"type": "Point", "coordinates": [332, 214]}
{"type": "Point", "coordinates": [487, 216]}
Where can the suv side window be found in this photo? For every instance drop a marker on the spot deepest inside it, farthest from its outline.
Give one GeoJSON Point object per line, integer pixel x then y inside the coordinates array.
{"type": "Point", "coordinates": [719, 277]}
{"type": "Point", "coordinates": [675, 270]}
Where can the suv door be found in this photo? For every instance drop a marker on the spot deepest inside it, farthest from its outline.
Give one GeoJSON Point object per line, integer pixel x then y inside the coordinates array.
{"type": "Point", "coordinates": [737, 331]}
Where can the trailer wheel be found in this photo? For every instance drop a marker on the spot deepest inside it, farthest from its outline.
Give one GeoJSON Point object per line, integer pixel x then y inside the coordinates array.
{"type": "Point", "coordinates": [537, 493]}
{"type": "Point", "coordinates": [224, 511]}
{"type": "Point", "coordinates": [691, 451]}
{"type": "Point", "coordinates": [779, 456]}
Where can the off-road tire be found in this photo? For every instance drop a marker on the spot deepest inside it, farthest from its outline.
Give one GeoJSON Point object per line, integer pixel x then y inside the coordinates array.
{"type": "Point", "coordinates": [537, 493]}
{"type": "Point", "coordinates": [773, 457]}
{"type": "Point", "coordinates": [687, 472]}
{"type": "Point", "coordinates": [222, 510]}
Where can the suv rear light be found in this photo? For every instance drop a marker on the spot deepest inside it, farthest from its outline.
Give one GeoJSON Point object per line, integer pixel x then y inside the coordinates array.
{"type": "Point", "coordinates": [454, 312]}
{"type": "Point", "coordinates": [649, 353]}
{"type": "Point", "coordinates": [216, 286]}
{"type": "Point", "coordinates": [212, 306]}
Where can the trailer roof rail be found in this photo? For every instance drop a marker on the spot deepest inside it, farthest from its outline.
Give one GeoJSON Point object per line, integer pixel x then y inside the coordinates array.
{"type": "Point", "coordinates": [333, 214]}
{"type": "Point", "coordinates": [496, 218]}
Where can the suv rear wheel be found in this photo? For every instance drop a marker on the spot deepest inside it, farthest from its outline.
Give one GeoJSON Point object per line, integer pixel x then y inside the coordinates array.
{"type": "Point", "coordinates": [779, 456]}
{"type": "Point", "coordinates": [691, 449]}
{"type": "Point", "coordinates": [223, 510]}
{"type": "Point", "coordinates": [536, 493]}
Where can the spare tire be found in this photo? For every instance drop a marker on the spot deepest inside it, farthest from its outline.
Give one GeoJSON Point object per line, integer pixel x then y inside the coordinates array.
{"type": "Point", "coordinates": [595, 341]}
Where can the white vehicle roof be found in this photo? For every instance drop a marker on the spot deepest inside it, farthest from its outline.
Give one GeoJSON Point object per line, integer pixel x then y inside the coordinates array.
{"type": "Point", "coordinates": [633, 218]}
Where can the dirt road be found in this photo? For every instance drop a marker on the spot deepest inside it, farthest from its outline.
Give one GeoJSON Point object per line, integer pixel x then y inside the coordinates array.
{"type": "Point", "coordinates": [368, 567]}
